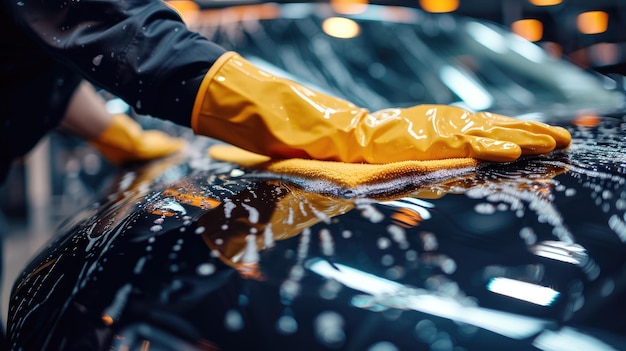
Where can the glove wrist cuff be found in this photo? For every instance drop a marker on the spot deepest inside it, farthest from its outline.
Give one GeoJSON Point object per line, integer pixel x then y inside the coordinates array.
{"type": "Point", "coordinates": [204, 86]}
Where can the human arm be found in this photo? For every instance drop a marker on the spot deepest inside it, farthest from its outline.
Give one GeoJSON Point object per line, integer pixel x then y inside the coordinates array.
{"type": "Point", "coordinates": [277, 117]}
{"type": "Point", "coordinates": [118, 137]}
{"type": "Point", "coordinates": [86, 115]}
{"type": "Point", "coordinates": [141, 51]}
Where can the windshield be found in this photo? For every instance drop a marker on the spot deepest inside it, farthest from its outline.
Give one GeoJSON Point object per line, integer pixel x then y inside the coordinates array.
{"type": "Point", "coordinates": [413, 59]}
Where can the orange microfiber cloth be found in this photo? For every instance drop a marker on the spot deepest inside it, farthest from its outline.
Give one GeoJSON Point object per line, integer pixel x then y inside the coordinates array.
{"type": "Point", "coordinates": [346, 179]}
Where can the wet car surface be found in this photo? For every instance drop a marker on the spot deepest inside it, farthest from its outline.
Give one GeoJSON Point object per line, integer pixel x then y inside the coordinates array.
{"type": "Point", "coordinates": [189, 253]}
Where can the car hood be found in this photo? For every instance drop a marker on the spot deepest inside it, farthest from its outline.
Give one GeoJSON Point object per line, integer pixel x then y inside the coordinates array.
{"type": "Point", "coordinates": [191, 253]}
{"type": "Point", "coordinates": [188, 253]}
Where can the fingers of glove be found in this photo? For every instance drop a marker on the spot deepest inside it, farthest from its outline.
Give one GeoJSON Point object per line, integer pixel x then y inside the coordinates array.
{"type": "Point", "coordinates": [147, 145]}
{"type": "Point", "coordinates": [560, 135]}
{"type": "Point", "coordinates": [154, 144]}
{"type": "Point", "coordinates": [488, 149]}
{"type": "Point", "coordinates": [530, 143]}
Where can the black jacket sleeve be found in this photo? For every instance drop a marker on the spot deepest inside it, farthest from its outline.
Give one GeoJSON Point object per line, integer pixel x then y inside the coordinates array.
{"type": "Point", "coordinates": [139, 50]}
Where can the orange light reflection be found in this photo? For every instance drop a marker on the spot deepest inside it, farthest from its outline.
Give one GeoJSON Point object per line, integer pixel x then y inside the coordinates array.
{"type": "Point", "coordinates": [530, 29]}
{"type": "Point", "coordinates": [439, 6]}
{"type": "Point", "coordinates": [192, 199]}
{"type": "Point", "coordinates": [586, 120]}
{"type": "Point", "coordinates": [187, 9]}
{"type": "Point", "coordinates": [592, 22]}
{"type": "Point", "coordinates": [406, 218]}
{"type": "Point", "coordinates": [545, 2]}
{"type": "Point", "coordinates": [349, 7]}
{"type": "Point", "coordinates": [341, 27]}
{"type": "Point", "coordinates": [107, 320]}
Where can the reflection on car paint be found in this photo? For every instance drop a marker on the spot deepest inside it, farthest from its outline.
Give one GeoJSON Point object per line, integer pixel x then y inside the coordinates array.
{"type": "Point", "coordinates": [193, 254]}
{"type": "Point", "coordinates": [235, 255]}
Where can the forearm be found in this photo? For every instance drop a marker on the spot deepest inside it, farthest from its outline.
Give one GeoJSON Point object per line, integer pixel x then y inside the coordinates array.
{"type": "Point", "coordinates": [118, 137]}
{"type": "Point", "coordinates": [86, 115]}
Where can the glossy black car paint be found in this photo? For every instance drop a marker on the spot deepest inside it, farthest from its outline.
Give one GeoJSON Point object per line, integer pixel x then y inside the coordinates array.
{"type": "Point", "coordinates": [188, 253]}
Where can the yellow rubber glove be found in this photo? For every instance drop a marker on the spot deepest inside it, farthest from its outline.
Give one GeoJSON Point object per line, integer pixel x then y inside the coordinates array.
{"type": "Point", "coordinates": [125, 141]}
{"type": "Point", "coordinates": [240, 104]}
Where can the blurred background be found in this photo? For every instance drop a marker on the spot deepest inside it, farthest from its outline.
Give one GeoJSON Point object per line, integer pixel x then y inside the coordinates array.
{"type": "Point", "coordinates": [591, 34]}
{"type": "Point", "coordinates": [63, 174]}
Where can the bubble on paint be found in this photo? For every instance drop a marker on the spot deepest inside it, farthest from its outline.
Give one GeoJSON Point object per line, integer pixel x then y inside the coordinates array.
{"type": "Point", "coordinates": [327, 244]}
{"type": "Point", "coordinates": [528, 235]}
{"type": "Point", "coordinates": [205, 269]}
{"type": "Point", "coordinates": [429, 241]}
{"type": "Point", "coordinates": [253, 213]}
{"type": "Point", "coordinates": [139, 265]}
{"type": "Point", "coordinates": [383, 243]}
{"type": "Point", "coordinates": [425, 331]}
{"type": "Point", "coordinates": [286, 325]}
{"type": "Point", "coordinates": [289, 289]}
{"type": "Point", "coordinates": [411, 255]}
{"type": "Point", "coordinates": [607, 288]}
{"type": "Point", "coordinates": [296, 272]}
{"type": "Point", "coordinates": [236, 173]}
{"type": "Point", "coordinates": [330, 289]}
{"type": "Point", "coordinates": [229, 206]}
{"type": "Point", "coordinates": [303, 246]}
{"type": "Point", "coordinates": [485, 208]}
{"type": "Point", "coordinates": [618, 226]}
{"type": "Point", "coordinates": [398, 234]}
{"type": "Point", "coordinates": [268, 236]}
{"type": "Point", "coordinates": [447, 265]}
{"type": "Point", "coordinates": [442, 342]}
{"type": "Point", "coordinates": [251, 251]}
{"type": "Point", "coordinates": [502, 207]}
{"type": "Point", "coordinates": [233, 321]}
{"type": "Point", "coordinates": [369, 212]}
{"type": "Point", "coordinates": [383, 346]}
{"type": "Point", "coordinates": [329, 329]}
{"type": "Point", "coordinates": [387, 260]}
{"type": "Point", "coordinates": [394, 273]}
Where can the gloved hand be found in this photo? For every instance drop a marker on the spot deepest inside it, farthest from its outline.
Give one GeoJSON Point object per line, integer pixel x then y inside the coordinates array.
{"type": "Point", "coordinates": [125, 141]}
{"type": "Point", "coordinates": [240, 104]}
